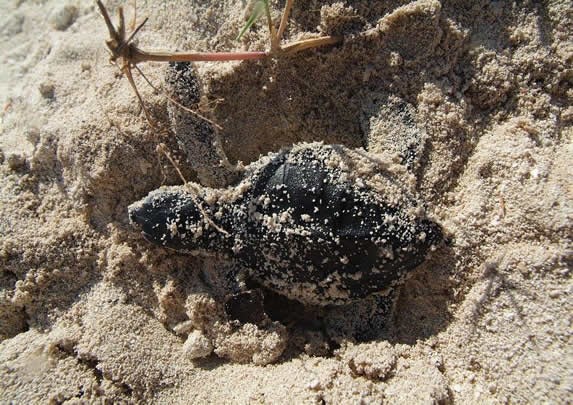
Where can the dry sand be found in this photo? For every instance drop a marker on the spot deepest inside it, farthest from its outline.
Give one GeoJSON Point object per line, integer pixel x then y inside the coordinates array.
{"type": "Point", "coordinates": [90, 312]}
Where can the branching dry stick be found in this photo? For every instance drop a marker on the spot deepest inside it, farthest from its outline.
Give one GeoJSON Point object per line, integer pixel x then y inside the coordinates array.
{"type": "Point", "coordinates": [124, 51]}
{"type": "Point", "coordinates": [122, 48]}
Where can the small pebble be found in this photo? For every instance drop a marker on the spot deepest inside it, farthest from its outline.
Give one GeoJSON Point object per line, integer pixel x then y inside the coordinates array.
{"type": "Point", "coordinates": [197, 345]}
{"type": "Point", "coordinates": [314, 384]}
{"type": "Point", "coordinates": [183, 328]}
{"type": "Point", "coordinates": [16, 162]}
{"type": "Point", "coordinates": [510, 316]}
{"type": "Point", "coordinates": [47, 90]}
{"type": "Point", "coordinates": [523, 269]}
{"type": "Point", "coordinates": [554, 294]}
{"type": "Point", "coordinates": [33, 135]}
{"type": "Point", "coordinates": [555, 379]}
{"type": "Point", "coordinates": [563, 272]}
{"type": "Point", "coordinates": [63, 16]}
{"type": "Point", "coordinates": [438, 361]}
{"type": "Point", "coordinates": [567, 115]}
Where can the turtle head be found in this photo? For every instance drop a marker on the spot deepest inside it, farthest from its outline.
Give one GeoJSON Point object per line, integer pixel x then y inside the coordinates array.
{"type": "Point", "coordinates": [171, 217]}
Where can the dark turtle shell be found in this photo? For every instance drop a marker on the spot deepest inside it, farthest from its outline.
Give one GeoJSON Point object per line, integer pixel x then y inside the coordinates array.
{"type": "Point", "coordinates": [321, 224]}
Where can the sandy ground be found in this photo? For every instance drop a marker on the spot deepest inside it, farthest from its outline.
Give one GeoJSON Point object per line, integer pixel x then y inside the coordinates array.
{"type": "Point", "coordinates": [89, 311]}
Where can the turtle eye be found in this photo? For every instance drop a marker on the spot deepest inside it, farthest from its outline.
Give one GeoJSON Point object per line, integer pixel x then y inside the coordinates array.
{"type": "Point", "coordinates": [137, 213]}
{"type": "Point", "coordinates": [134, 216]}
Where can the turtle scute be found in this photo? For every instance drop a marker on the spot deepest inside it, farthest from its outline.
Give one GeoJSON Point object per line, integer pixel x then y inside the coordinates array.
{"type": "Point", "coordinates": [321, 224]}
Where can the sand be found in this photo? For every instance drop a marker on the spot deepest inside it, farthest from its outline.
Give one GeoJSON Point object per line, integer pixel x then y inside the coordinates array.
{"type": "Point", "coordinates": [89, 311]}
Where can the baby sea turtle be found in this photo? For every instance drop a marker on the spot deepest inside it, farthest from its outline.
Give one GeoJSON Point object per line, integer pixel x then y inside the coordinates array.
{"type": "Point", "coordinates": [301, 223]}
{"type": "Point", "coordinates": [320, 224]}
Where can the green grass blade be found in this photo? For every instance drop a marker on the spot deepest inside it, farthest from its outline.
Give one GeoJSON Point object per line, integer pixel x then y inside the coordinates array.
{"type": "Point", "coordinates": [258, 11]}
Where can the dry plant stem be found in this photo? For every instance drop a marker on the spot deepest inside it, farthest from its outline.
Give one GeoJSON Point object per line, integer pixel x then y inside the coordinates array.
{"type": "Point", "coordinates": [121, 47]}
{"type": "Point", "coordinates": [178, 104]}
{"type": "Point", "coordinates": [161, 148]}
{"type": "Point", "coordinates": [134, 19]}
{"type": "Point", "coordinates": [309, 43]}
{"type": "Point", "coordinates": [125, 69]}
{"type": "Point", "coordinates": [130, 55]}
{"type": "Point", "coordinates": [142, 56]}
{"type": "Point", "coordinates": [284, 18]}
{"type": "Point", "coordinates": [275, 39]}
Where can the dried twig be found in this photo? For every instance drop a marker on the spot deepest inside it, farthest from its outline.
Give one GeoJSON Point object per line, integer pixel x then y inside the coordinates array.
{"type": "Point", "coordinates": [128, 55]}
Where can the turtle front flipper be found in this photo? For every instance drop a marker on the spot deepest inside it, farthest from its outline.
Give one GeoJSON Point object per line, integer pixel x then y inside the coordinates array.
{"type": "Point", "coordinates": [196, 135]}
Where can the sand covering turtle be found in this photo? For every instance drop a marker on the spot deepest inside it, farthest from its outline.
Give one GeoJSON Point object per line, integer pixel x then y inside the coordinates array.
{"type": "Point", "coordinates": [320, 224]}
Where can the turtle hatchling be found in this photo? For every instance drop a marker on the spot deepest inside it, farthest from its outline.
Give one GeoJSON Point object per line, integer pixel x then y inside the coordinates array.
{"type": "Point", "coordinates": [319, 224]}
